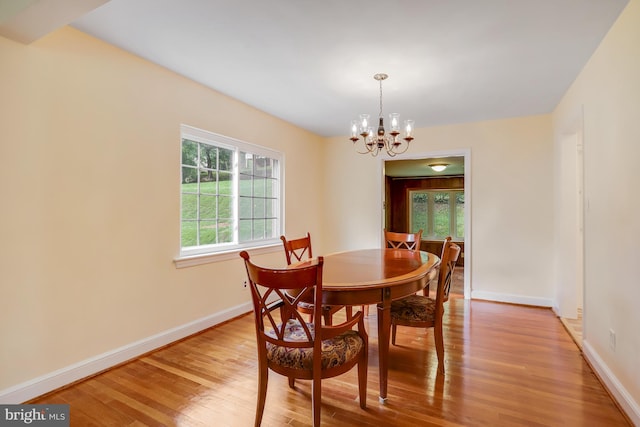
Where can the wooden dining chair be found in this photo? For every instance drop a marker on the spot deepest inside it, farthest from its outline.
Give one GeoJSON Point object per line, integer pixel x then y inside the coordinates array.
{"type": "Point", "coordinates": [297, 250]}
{"type": "Point", "coordinates": [420, 311]}
{"type": "Point", "coordinates": [294, 347]}
{"type": "Point", "coordinates": [397, 240]}
{"type": "Point", "coordinates": [426, 289]}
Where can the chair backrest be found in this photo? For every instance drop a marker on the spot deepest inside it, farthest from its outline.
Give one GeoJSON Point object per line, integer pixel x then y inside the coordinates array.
{"type": "Point", "coordinates": [271, 305]}
{"type": "Point", "coordinates": [402, 240]}
{"type": "Point", "coordinates": [444, 245]}
{"type": "Point", "coordinates": [296, 249]}
{"type": "Point", "coordinates": [450, 254]}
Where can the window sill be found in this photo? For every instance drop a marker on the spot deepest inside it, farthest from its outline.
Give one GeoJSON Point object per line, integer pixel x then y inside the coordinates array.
{"type": "Point", "coordinates": [193, 260]}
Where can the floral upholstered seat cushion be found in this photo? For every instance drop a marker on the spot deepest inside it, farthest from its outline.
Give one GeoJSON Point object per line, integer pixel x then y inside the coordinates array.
{"type": "Point", "coordinates": [308, 307]}
{"type": "Point", "coordinates": [413, 308]}
{"type": "Point", "coordinates": [335, 351]}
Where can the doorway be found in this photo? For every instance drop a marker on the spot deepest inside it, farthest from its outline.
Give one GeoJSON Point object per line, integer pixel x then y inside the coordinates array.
{"type": "Point", "coordinates": [570, 232]}
{"type": "Point", "coordinates": [414, 170]}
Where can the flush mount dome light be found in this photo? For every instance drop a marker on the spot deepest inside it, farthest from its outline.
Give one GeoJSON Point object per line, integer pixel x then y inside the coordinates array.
{"type": "Point", "coordinates": [438, 167]}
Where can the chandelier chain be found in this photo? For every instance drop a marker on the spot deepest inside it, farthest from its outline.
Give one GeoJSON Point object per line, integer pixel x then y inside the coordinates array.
{"type": "Point", "coordinates": [380, 115]}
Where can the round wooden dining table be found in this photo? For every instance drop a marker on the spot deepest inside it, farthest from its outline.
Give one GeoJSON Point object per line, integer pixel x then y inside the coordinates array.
{"type": "Point", "coordinates": [376, 276]}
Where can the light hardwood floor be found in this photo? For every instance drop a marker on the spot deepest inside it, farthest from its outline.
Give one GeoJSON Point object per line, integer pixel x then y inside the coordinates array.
{"type": "Point", "coordinates": [574, 328]}
{"type": "Point", "coordinates": [506, 365]}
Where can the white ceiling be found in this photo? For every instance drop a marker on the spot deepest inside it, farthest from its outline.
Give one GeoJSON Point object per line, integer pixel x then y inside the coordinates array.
{"type": "Point", "coordinates": [312, 63]}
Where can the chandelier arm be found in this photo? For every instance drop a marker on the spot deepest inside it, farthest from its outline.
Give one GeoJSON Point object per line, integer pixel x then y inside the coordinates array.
{"type": "Point", "coordinates": [398, 149]}
{"type": "Point", "coordinates": [369, 148]}
{"type": "Point", "coordinates": [367, 151]}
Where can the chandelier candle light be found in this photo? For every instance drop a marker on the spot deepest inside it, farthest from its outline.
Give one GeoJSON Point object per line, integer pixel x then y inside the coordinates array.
{"type": "Point", "coordinates": [375, 142]}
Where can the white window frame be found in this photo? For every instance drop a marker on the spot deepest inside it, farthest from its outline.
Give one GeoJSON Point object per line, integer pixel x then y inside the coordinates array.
{"type": "Point", "coordinates": [428, 234]}
{"type": "Point", "coordinates": [223, 251]}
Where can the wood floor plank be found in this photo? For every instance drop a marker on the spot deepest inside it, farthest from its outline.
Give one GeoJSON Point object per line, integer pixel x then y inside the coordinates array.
{"type": "Point", "coordinates": [506, 365]}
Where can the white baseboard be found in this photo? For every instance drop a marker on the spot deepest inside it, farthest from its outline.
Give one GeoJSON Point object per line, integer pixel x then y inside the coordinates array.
{"type": "Point", "coordinates": [620, 394]}
{"type": "Point", "coordinates": [513, 299]}
{"type": "Point", "coordinates": [54, 380]}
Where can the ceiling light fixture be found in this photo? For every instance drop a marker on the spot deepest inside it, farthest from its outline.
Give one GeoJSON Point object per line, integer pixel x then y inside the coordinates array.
{"type": "Point", "coordinates": [438, 167]}
{"type": "Point", "coordinates": [374, 142]}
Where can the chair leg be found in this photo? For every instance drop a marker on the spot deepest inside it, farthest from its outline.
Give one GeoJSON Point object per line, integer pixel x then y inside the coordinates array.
{"type": "Point", "coordinates": [349, 311]}
{"type": "Point", "coordinates": [425, 291]}
{"type": "Point", "coordinates": [437, 334]}
{"type": "Point", "coordinates": [263, 378]}
{"type": "Point", "coordinates": [393, 333]}
{"type": "Point", "coordinates": [328, 317]}
{"type": "Point", "coordinates": [315, 401]}
{"type": "Point", "coordinates": [362, 380]}
{"type": "Point", "coordinates": [292, 382]}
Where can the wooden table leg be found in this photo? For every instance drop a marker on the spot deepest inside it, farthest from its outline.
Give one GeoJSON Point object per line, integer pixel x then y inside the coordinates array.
{"type": "Point", "coordinates": [384, 329]}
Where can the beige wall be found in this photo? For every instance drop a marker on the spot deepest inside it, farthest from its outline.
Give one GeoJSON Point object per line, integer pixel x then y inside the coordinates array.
{"type": "Point", "coordinates": [89, 225]}
{"type": "Point", "coordinates": [608, 91]}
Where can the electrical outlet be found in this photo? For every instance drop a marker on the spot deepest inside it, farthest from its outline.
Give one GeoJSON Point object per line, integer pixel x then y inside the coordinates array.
{"type": "Point", "coordinates": [612, 340]}
{"type": "Point", "coordinates": [245, 285]}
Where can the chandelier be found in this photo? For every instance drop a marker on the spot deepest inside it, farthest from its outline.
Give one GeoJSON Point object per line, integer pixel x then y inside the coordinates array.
{"type": "Point", "coordinates": [374, 142]}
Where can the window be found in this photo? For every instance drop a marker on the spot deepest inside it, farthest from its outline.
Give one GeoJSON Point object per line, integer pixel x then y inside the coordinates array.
{"type": "Point", "coordinates": [438, 213]}
{"type": "Point", "coordinates": [230, 194]}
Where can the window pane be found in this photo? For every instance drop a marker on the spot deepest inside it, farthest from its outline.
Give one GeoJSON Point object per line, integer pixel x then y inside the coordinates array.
{"type": "Point", "coordinates": [208, 183]}
{"type": "Point", "coordinates": [207, 232]}
{"type": "Point", "coordinates": [189, 179]}
{"type": "Point", "coordinates": [269, 166]}
{"type": "Point", "coordinates": [258, 208]}
{"type": "Point", "coordinates": [441, 217]}
{"type": "Point", "coordinates": [208, 156]}
{"type": "Point", "coordinates": [225, 183]}
{"type": "Point", "coordinates": [271, 208]}
{"type": "Point", "coordinates": [244, 230]}
{"type": "Point", "coordinates": [245, 207]}
{"type": "Point", "coordinates": [225, 207]}
{"type": "Point", "coordinates": [259, 166]}
{"type": "Point", "coordinates": [258, 229]}
{"type": "Point", "coordinates": [271, 188]}
{"type": "Point", "coordinates": [189, 206]}
{"type": "Point", "coordinates": [258, 187]}
{"type": "Point", "coordinates": [225, 231]}
{"type": "Point", "coordinates": [189, 152]}
{"type": "Point", "coordinates": [225, 159]}
{"type": "Point", "coordinates": [189, 234]}
{"type": "Point", "coordinates": [246, 185]}
{"type": "Point", "coordinates": [271, 228]}
{"type": "Point", "coordinates": [419, 212]}
{"type": "Point", "coordinates": [245, 163]}
{"type": "Point", "coordinates": [208, 208]}
{"type": "Point", "coordinates": [460, 215]}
